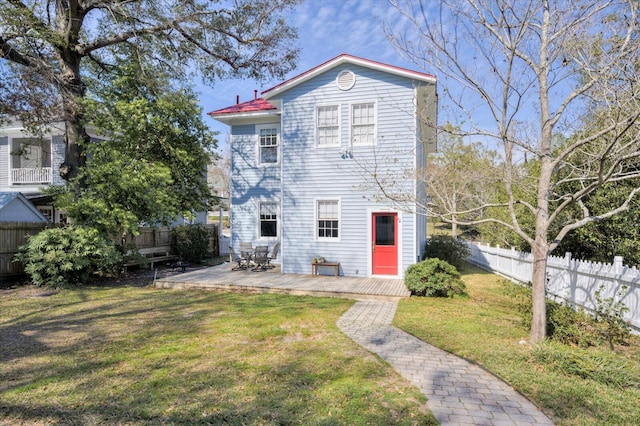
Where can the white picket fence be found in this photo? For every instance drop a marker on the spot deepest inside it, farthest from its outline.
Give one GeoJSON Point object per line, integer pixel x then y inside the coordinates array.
{"type": "Point", "coordinates": [571, 280]}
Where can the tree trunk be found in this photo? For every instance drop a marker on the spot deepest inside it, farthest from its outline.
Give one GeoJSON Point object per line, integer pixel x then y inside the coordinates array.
{"type": "Point", "coordinates": [454, 226]}
{"type": "Point", "coordinates": [538, 287]}
{"type": "Point", "coordinates": [73, 89]}
{"type": "Point", "coordinates": [75, 137]}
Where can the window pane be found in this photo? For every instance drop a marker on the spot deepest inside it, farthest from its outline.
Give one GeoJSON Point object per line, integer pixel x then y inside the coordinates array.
{"type": "Point", "coordinates": [328, 116]}
{"type": "Point", "coordinates": [327, 220]}
{"type": "Point", "coordinates": [269, 154]}
{"type": "Point", "coordinates": [327, 125]}
{"type": "Point", "coordinates": [385, 230]}
{"type": "Point", "coordinates": [268, 219]}
{"type": "Point", "coordinates": [363, 124]}
{"type": "Point", "coordinates": [268, 143]}
{"type": "Point", "coordinates": [268, 229]}
{"type": "Point", "coordinates": [268, 137]}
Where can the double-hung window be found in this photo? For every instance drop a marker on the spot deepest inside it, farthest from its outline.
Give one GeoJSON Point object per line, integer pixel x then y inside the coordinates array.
{"type": "Point", "coordinates": [327, 219]}
{"type": "Point", "coordinates": [268, 219]}
{"type": "Point", "coordinates": [268, 144]}
{"type": "Point", "coordinates": [328, 125]}
{"type": "Point", "coordinates": [363, 123]}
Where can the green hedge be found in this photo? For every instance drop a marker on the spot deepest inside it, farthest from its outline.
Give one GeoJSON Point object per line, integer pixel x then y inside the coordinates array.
{"type": "Point", "coordinates": [434, 277]}
{"type": "Point", "coordinates": [63, 257]}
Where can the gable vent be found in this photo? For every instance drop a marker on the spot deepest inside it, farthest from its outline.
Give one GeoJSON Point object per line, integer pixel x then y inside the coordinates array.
{"type": "Point", "coordinates": [346, 80]}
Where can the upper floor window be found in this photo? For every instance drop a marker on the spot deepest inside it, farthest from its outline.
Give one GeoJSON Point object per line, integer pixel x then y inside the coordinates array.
{"type": "Point", "coordinates": [328, 219]}
{"type": "Point", "coordinates": [268, 220]}
{"type": "Point", "coordinates": [268, 136]}
{"type": "Point", "coordinates": [328, 125]}
{"type": "Point", "coordinates": [363, 123]}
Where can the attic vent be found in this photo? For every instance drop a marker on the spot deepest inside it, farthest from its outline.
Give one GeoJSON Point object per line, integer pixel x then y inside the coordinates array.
{"type": "Point", "coordinates": [346, 80]}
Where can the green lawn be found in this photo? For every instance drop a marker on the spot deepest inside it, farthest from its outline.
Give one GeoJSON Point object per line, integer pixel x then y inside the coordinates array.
{"type": "Point", "coordinates": [131, 354]}
{"type": "Point", "coordinates": [578, 386]}
{"type": "Point", "coordinates": [135, 355]}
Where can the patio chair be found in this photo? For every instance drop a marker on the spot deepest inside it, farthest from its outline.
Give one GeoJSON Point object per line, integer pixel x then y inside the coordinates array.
{"type": "Point", "coordinates": [242, 262]}
{"type": "Point", "coordinates": [273, 255]}
{"type": "Point", "coordinates": [260, 258]}
{"type": "Point", "coordinates": [246, 251]}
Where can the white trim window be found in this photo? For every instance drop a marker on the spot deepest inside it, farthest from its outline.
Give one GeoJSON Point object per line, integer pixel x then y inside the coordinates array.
{"type": "Point", "coordinates": [328, 219]}
{"type": "Point", "coordinates": [328, 125]}
{"type": "Point", "coordinates": [268, 220]}
{"type": "Point", "coordinates": [363, 123]}
{"type": "Point", "coordinates": [268, 141]}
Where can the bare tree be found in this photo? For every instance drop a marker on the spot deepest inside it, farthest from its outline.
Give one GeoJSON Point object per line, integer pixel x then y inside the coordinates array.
{"type": "Point", "coordinates": [460, 176]}
{"type": "Point", "coordinates": [45, 47]}
{"type": "Point", "coordinates": [524, 75]}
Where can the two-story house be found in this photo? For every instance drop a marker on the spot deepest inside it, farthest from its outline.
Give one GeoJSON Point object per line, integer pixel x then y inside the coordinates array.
{"type": "Point", "coordinates": [310, 158]}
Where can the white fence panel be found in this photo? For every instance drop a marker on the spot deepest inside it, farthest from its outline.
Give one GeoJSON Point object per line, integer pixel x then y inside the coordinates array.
{"type": "Point", "coordinates": [570, 280]}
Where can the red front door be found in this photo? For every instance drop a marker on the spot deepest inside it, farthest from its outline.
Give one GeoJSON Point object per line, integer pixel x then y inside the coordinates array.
{"type": "Point", "coordinates": [384, 244]}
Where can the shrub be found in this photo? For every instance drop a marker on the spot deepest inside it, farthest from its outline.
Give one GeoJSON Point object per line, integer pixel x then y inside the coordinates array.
{"type": "Point", "coordinates": [575, 326]}
{"type": "Point", "coordinates": [192, 242]}
{"type": "Point", "coordinates": [447, 248]}
{"type": "Point", "coordinates": [572, 327]}
{"type": "Point", "coordinates": [610, 315]}
{"type": "Point", "coordinates": [63, 257]}
{"type": "Point", "coordinates": [435, 278]}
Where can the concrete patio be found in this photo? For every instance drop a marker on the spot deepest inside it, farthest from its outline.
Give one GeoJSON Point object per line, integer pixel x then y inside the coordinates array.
{"type": "Point", "coordinates": [221, 277]}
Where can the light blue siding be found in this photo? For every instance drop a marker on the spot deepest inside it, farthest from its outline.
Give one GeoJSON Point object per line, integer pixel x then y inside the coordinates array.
{"type": "Point", "coordinates": [311, 173]}
{"type": "Point", "coordinates": [251, 184]}
{"type": "Point", "coordinates": [57, 154]}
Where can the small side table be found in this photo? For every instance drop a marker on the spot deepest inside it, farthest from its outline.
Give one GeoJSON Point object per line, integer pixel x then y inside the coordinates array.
{"type": "Point", "coordinates": [335, 265]}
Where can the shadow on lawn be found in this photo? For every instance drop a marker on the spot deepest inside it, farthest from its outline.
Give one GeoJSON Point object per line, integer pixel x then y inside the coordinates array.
{"type": "Point", "coordinates": [99, 355]}
{"type": "Point", "coordinates": [167, 357]}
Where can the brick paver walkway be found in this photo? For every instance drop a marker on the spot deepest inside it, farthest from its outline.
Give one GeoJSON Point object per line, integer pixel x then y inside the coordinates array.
{"type": "Point", "coordinates": [458, 392]}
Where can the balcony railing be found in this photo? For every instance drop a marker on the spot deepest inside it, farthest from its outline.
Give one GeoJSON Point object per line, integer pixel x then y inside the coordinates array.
{"type": "Point", "coordinates": [30, 176]}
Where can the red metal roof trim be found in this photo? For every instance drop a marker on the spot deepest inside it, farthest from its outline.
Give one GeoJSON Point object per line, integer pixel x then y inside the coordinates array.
{"type": "Point", "coordinates": [356, 58]}
{"type": "Point", "coordinates": [254, 105]}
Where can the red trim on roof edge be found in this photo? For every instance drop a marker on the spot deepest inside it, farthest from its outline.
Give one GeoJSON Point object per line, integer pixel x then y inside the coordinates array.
{"type": "Point", "coordinates": [254, 105]}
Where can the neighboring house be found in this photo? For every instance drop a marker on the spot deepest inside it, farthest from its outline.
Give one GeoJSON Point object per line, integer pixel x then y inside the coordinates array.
{"type": "Point", "coordinates": [14, 207]}
{"type": "Point", "coordinates": [30, 163]}
{"type": "Point", "coordinates": [304, 156]}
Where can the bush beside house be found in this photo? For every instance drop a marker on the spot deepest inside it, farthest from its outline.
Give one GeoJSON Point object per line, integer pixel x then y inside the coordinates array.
{"type": "Point", "coordinates": [435, 278]}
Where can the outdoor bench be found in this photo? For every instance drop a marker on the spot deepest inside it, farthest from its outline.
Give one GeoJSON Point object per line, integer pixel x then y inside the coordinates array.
{"type": "Point", "coordinates": [151, 256]}
{"type": "Point", "coordinates": [335, 265]}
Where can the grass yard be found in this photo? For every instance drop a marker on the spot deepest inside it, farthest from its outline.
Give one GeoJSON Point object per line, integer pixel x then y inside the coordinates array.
{"type": "Point", "coordinates": [130, 355]}
{"type": "Point", "coordinates": [576, 386]}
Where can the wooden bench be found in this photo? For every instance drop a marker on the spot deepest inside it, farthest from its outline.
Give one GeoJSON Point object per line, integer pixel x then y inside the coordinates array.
{"type": "Point", "coordinates": [335, 265]}
{"type": "Point", "coordinates": [151, 256]}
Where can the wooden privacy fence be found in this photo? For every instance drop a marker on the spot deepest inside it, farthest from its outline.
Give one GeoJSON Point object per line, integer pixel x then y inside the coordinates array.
{"type": "Point", "coordinates": [162, 238]}
{"type": "Point", "coordinates": [15, 234]}
{"type": "Point", "coordinates": [150, 238]}
{"type": "Point", "coordinates": [570, 280]}
{"type": "Point", "coordinates": [12, 236]}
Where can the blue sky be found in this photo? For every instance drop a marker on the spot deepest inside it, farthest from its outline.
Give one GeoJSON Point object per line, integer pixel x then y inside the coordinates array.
{"type": "Point", "coordinates": [326, 28]}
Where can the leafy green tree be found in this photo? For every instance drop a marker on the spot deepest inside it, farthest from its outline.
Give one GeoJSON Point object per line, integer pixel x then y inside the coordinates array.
{"type": "Point", "coordinates": [602, 240]}
{"type": "Point", "coordinates": [47, 46]}
{"type": "Point", "coordinates": [152, 166]}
